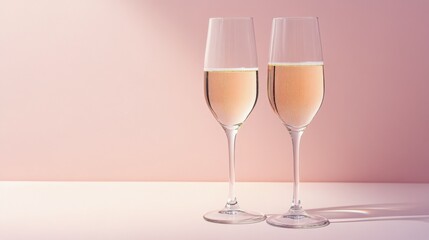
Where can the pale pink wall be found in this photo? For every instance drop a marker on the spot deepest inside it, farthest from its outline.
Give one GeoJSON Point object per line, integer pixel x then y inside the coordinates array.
{"type": "Point", "coordinates": [113, 90]}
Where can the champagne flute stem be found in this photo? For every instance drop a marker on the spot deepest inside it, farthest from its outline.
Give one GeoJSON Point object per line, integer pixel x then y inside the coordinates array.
{"type": "Point", "coordinates": [296, 141]}
{"type": "Point", "coordinates": [231, 134]}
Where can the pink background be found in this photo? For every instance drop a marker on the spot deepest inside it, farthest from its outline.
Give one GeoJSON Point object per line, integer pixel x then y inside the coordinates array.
{"type": "Point", "coordinates": [113, 90]}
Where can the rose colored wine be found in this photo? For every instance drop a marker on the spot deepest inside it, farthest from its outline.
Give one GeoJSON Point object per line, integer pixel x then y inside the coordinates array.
{"type": "Point", "coordinates": [295, 91]}
{"type": "Point", "coordinates": [231, 94]}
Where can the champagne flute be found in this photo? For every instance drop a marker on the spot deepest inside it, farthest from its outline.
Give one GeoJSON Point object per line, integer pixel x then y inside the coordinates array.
{"type": "Point", "coordinates": [295, 91]}
{"type": "Point", "coordinates": [231, 90]}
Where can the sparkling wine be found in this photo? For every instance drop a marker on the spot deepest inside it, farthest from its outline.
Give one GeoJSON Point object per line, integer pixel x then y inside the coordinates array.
{"type": "Point", "coordinates": [295, 91]}
{"type": "Point", "coordinates": [231, 94]}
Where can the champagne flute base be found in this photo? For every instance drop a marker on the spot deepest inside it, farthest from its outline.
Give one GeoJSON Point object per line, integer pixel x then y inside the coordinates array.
{"type": "Point", "coordinates": [234, 216]}
{"type": "Point", "coordinates": [297, 219]}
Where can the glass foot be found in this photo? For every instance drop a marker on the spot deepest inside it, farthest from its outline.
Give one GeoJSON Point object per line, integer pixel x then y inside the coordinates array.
{"type": "Point", "coordinates": [297, 219]}
{"type": "Point", "coordinates": [234, 216]}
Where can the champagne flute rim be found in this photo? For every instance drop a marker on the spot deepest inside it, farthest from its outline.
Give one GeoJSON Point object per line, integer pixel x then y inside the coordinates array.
{"type": "Point", "coordinates": [220, 18]}
{"type": "Point", "coordinates": [237, 69]}
{"type": "Point", "coordinates": [292, 18]}
{"type": "Point", "coordinates": [301, 63]}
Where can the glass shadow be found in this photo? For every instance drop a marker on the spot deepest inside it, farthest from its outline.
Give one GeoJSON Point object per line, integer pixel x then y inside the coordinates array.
{"type": "Point", "coordinates": [375, 212]}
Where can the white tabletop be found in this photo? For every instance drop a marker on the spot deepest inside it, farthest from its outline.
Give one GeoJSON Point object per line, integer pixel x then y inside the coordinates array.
{"type": "Point", "coordinates": [173, 210]}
